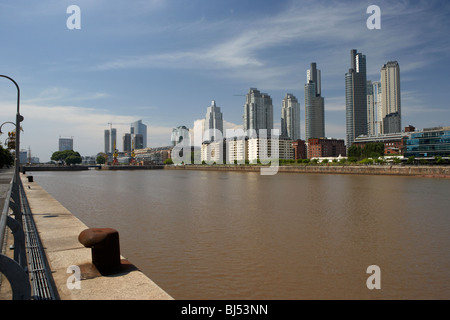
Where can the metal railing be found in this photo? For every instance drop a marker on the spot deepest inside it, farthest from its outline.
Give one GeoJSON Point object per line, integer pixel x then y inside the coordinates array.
{"type": "Point", "coordinates": [27, 272]}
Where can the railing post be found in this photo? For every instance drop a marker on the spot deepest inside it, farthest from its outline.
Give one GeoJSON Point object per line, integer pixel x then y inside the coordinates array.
{"type": "Point", "coordinates": [17, 277]}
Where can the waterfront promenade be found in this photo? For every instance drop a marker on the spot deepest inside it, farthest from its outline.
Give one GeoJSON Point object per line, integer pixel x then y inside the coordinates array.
{"type": "Point", "coordinates": [59, 231]}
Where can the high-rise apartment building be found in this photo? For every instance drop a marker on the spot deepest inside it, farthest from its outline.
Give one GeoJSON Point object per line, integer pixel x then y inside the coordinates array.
{"type": "Point", "coordinates": [314, 105]}
{"type": "Point", "coordinates": [356, 97]}
{"type": "Point", "coordinates": [390, 90]}
{"type": "Point", "coordinates": [213, 122]}
{"type": "Point", "coordinates": [258, 112]}
{"type": "Point", "coordinates": [290, 117]}
{"type": "Point", "coordinates": [138, 128]}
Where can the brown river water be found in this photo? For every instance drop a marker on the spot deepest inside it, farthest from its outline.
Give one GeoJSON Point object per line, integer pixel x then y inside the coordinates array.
{"type": "Point", "coordinates": [241, 235]}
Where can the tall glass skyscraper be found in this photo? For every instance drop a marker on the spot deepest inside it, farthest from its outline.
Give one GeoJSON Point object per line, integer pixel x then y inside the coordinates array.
{"type": "Point", "coordinates": [290, 117]}
{"type": "Point", "coordinates": [258, 111]}
{"type": "Point", "coordinates": [356, 97]}
{"type": "Point", "coordinates": [314, 105]}
{"type": "Point", "coordinates": [213, 121]}
{"type": "Point", "coordinates": [138, 132]}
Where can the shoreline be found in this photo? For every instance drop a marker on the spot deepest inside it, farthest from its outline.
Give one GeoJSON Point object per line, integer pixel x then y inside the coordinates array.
{"type": "Point", "coordinates": [393, 170]}
{"type": "Point", "coordinates": [416, 171]}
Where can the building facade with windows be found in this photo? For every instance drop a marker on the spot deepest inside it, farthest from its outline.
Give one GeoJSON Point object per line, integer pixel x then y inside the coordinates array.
{"type": "Point", "coordinates": [314, 105]}
{"type": "Point", "coordinates": [258, 111]}
{"type": "Point", "coordinates": [326, 147]}
{"type": "Point", "coordinates": [431, 142]}
{"type": "Point", "coordinates": [290, 117]}
{"type": "Point", "coordinates": [65, 144]}
{"type": "Point", "coordinates": [356, 97]}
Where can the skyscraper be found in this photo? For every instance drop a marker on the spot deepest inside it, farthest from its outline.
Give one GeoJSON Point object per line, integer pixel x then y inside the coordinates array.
{"type": "Point", "coordinates": [65, 144]}
{"type": "Point", "coordinates": [213, 121]}
{"type": "Point", "coordinates": [390, 90]}
{"type": "Point", "coordinates": [356, 97]}
{"type": "Point", "coordinates": [290, 117]}
{"type": "Point", "coordinates": [127, 142]}
{"type": "Point", "coordinates": [107, 141]}
{"type": "Point", "coordinates": [258, 112]}
{"type": "Point", "coordinates": [178, 134]}
{"type": "Point", "coordinates": [138, 128]}
{"type": "Point", "coordinates": [374, 119]}
{"type": "Point", "coordinates": [113, 140]}
{"type": "Point", "coordinates": [314, 105]}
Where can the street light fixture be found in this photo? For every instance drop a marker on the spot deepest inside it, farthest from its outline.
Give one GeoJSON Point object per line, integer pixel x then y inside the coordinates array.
{"type": "Point", "coordinates": [19, 119]}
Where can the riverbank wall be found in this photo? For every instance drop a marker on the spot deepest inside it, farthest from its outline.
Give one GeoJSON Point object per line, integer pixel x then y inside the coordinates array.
{"type": "Point", "coordinates": [418, 171]}
{"type": "Point", "coordinates": [74, 274]}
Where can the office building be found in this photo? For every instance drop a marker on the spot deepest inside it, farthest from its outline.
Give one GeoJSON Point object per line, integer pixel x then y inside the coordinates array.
{"type": "Point", "coordinates": [127, 142]}
{"type": "Point", "coordinates": [107, 141]}
{"type": "Point", "coordinates": [299, 147]}
{"type": "Point", "coordinates": [290, 117]}
{"type": "Point", "coordinates": [326, 147]}
{"type": "Point", "coordinates": [138, 128]}
{"type": "Point", "coordinates": [213, 123]}
{"type": "Point", "coordinates": [392, 123]}
{"type": "Point", "coordinates": [430, 142]}
{"type": "Point", "coordinates": [314, 105]}
{"type": "Point", "coordinates": [65, 144]}
{"type": "Point", "coordinates": [390, 90]}
{"type": "Point", "coordinates": [356, 97]}
{"type": "Point", "coordinates": [113, 137]}
{"type": "Point", "coordinates": [258, 112]}
{"type": "Point", "coordinates": [394, 143]}
{"type": "Point", "coordinates": [137, 141]}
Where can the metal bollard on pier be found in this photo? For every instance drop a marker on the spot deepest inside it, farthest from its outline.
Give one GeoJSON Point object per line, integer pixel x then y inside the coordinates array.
{"type": "Point", "coordinates": [105, 248]}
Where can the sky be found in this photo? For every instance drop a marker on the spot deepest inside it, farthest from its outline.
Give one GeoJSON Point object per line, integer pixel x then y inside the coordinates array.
{"type": "Point", "coordinates": [164, 61]}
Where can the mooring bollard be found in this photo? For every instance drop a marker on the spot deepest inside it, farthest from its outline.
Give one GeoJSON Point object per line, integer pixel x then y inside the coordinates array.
{"type": "Point", "coordinates": [30, 178]}
{"type": "Point", "coordinates": [105, 248]}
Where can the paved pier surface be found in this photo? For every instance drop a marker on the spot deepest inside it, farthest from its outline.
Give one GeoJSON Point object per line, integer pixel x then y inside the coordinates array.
{"type": "Point", "coordinates": [59, 230]}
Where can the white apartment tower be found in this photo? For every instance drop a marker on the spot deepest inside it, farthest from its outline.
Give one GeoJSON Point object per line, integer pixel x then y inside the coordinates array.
{"type": "Point", "coordinates": [290, 117]}
{"type": "Point", "coordinates": [390, 91]}
{"type": "Point", "coordinates": [213, 122]}
{"type": "Point", "coordinates": [258, 112]}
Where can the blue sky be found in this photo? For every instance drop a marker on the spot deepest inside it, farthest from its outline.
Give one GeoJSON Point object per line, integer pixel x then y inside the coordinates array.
{"type": "Point", "coordinates": [163, 61]}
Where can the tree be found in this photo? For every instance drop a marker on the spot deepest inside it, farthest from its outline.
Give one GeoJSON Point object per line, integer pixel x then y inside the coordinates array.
{"type": "Point", "coordinates": [6, 158]}
{"type": "Point", "coordinates": [73, 160]}
{"type": "Point", "coordinates": [100, 160]}
{"type": "Point", "coordinates": [67, 156]}
{"type": "Point", "coordinates": [411, 160]}
{"type": "Point", "coordinates": [168, 161]}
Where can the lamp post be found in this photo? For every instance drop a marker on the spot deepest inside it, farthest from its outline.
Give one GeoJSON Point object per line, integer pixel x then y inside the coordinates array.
{"type": "Point", "coordinates": [19, 119]}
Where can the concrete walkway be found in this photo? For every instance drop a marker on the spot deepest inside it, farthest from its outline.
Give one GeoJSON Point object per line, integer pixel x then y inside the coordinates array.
{"type": "Point", "coordinates": [59, 230]}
